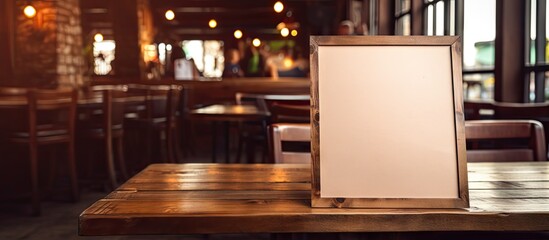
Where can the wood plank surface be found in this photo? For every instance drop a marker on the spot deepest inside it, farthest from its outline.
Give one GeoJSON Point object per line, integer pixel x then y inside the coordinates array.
{"type": "Point", "coordinates": [238, 198]}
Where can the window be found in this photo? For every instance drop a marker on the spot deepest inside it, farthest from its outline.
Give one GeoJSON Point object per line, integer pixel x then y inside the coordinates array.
{"type": "Point", "coordinates": [440, 17]}
{"type": "Point", "coordinates": [403, 17]}
{"type": "Point", "coordinates": [103, 55]}
{"type": "Point", "coordinates": [479, 34]}
{"type": "Point", "coordinates": [537, 58]}
{"type": "Point", "coordinates": [207, 55]}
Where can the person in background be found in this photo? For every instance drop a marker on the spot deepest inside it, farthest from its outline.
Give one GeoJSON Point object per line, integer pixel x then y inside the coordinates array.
{"type": "Point", "coordinates": [346, 27]}
{"type": "Point", "coordinates": [232, 65]}
{"type": "Point", "coordinates": [253, 62]}
{"type": "Point", "coordinates": [285, 64]}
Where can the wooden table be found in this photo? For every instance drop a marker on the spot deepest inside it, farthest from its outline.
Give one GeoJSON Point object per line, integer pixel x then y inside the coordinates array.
{"type": "Point", "coordinates": [254, 198]}
{"type": "Point", "coordinates": [226, 113]}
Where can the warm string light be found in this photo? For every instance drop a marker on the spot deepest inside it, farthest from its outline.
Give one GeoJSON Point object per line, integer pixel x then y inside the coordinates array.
{"type": "Point", "coordinates": [256, 42]}
{"type": "Point", "coordinates": [294, 32]}
{"type": "Point", "coordinates": [284, 32]}
{"type": "Point", "coordinates": [238, 34]}
{"type": "Point", "coordinates": [278, 7]}
{"type": "Point", "coordinates": [29, 11]}
{"type": "Point", "coordinates": [98, 37]}
{"type": "Point", "coordinates": [288, 62]}
{"type": "Point", "coordinates": [170, 15]}
{"type": "Point", "coordinates": [212, 23]}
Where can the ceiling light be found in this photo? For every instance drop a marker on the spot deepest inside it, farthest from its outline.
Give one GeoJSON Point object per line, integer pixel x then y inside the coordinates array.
{"type": "Point", "coordinates": [238, 34]}
{"type": "Point", "coordinates": [256, 42]}
{"type": "Point", "coordinates": [280, 26]}
{"type": "Point", "coordinates": [284, 32]}
{"type": "Point", "coordinates": [29, 11]}
{"type": "Point", "coordinates": [212, 23]}
{"type": "Point", "coordinates": [170, 15]}
{"type": "Point", "coordinates": [278, 7]}
{"type": "Point", "coordinates": [294, 32]}
{"type": "Point", "coordinates": [98, 37]}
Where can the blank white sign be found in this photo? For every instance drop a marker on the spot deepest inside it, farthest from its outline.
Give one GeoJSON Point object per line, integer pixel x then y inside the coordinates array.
{"type": "Point", "coordinates": [387, 125]}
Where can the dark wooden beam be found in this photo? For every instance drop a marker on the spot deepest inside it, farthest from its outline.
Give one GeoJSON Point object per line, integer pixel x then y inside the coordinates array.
{"type": "Point", "coordinates": [509, 56]}
{"type": "Point", "coordinates": [126, 33]}
{"type": "Point", "coordinates": [416, 19]}
{"type": "Point", "coordinates": [386, 12]}
{"type": "Point", "coordinates": [237, 4]}
{"type": "Point", "coordinates": [6, 40]}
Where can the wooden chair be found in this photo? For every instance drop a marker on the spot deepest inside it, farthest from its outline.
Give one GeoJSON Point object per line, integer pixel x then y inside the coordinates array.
{"type": "Point", "coordinates": [289, 113]}
{"type": "Point", "coordinates": [290, 132]}
{"type": "Point", "coordinates": [160, 119]}
{"type": "Point", "coordinates": [50, 120]}
{"type": "Point", "coordinates": [524, 111]}
{"type": "Point", "coordinates": [478, 110]}
{"type": "Point", "coordinates": [506, 129]}
{"type": "Point", "coordinates": [106, 125]}
{"type": "Point", "coordinates": [251, 133]}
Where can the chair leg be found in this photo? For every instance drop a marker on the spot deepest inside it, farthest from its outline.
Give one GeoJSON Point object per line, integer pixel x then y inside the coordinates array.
{"type": "Point", "coordinates": [33, 150]}
{"type": "Point", "coordinates": [168, 141]}
{"type": "Point", "coordinates": [110, 163]}
{"type": "Point", "coordinates": [239, 148]}
{"type": "Point", "coordinates": [53, 169]}
{"type": "Point", "coordinates": [121, 160]}
{"type": "Point", "coordinates": [72, 172]}
{"type": "Point", "coordinates": [177, 145]}
{"type": "Point", "coordinates": [148, 151]}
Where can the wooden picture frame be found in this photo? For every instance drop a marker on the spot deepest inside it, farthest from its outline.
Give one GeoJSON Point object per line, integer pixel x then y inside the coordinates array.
{"type": "Point", "coordinates": [391, 133]}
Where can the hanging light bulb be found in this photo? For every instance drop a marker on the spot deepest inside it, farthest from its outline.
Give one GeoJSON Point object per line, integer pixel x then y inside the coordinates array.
{"type": "Point", "coordinates": [278, 7]}
{"type": "Point", "coordinates": [212, 23]}
{"type": "Point", "coordinates": [284, 32]}
{"type": "Point", "coordinates": [294, 33]}
{"type": "Point", "coordinates": [238, 34]}
{"type": "Point", "coordinates": [170, 15]}
{"type": "Point", "coordinates": [29, 11]}
{"type": "Point", "coordinates": [98, 37]}
{"type": "Point", "coordinates": [256, 42]}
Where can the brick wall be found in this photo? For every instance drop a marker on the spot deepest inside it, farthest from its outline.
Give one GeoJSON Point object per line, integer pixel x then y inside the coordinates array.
{"type": "Point", "coordinates": [48, 47]}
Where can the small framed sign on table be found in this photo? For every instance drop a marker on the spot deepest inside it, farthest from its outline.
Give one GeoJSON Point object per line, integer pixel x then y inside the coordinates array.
{"type": "Point", "coordinates": [387, 122]}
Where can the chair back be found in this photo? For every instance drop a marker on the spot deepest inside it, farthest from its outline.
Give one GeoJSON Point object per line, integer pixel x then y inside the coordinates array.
{"type": "Point", "coordinates": [13, 91]}
{"type": "Point", "coordinates": [52, 109]}
{"type": "Point", "coordinates": [290, 132]}
{"type": "Point", "coordinates": [113, 109]}
{"type": "Point", "coordinates": [157, 103]}
{"type": "Point", "coordinates": [530, 130]}
{"type": "Point", "coordinates": [289, 113]}
{"type": "Point", "coordinates": [172, 109]}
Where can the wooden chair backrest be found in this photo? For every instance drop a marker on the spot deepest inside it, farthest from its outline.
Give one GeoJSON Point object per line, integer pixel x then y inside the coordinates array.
{"type": "Point", "coordinates": [506, 129]}
{"type": "Point", "coordinates": [521, 110]}
{"type": "Point", "coordinates": [174, 100]}
{"type": "Point", "coordinates": [113, 108]}
{"type": "Point", "coordinates": [290, 132]}
{"type": "Point", "coordinates": [287, 113]}
{"type": "Point", "coordinates": [12, 91]}
{"type": "Point", "coordinates": [51, 107]}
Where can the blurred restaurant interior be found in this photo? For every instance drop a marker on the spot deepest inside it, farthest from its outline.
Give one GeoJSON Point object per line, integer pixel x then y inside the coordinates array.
{"type": "Point", "coordinates": [93, 91]}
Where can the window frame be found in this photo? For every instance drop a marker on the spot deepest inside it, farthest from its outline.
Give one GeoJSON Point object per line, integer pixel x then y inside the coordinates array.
{"type": "Point", "coordinates": [540, 65]}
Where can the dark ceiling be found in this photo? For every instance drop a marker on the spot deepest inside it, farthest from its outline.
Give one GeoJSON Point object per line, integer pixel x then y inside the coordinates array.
{"type": "Point", "coordinates": [253, 17]}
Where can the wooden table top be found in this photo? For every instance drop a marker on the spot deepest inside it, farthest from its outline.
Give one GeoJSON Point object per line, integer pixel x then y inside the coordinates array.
{"type": "Point", "coordinates": [235, 198]}
{"type": "Point", "coordinates": [224, 112]}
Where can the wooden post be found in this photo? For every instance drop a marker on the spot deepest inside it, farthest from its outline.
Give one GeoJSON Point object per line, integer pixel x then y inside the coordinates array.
{"type": "Point", "coordinates": [509, 56]}
{"type": "Point", "coordinates": [386, 18]}
{"type": "Point", "coordinates": [6, 40]}
{"type": "Point", "coordinates": [126, 36]}
{"type": "Point", "coordinates": [417, 20]}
